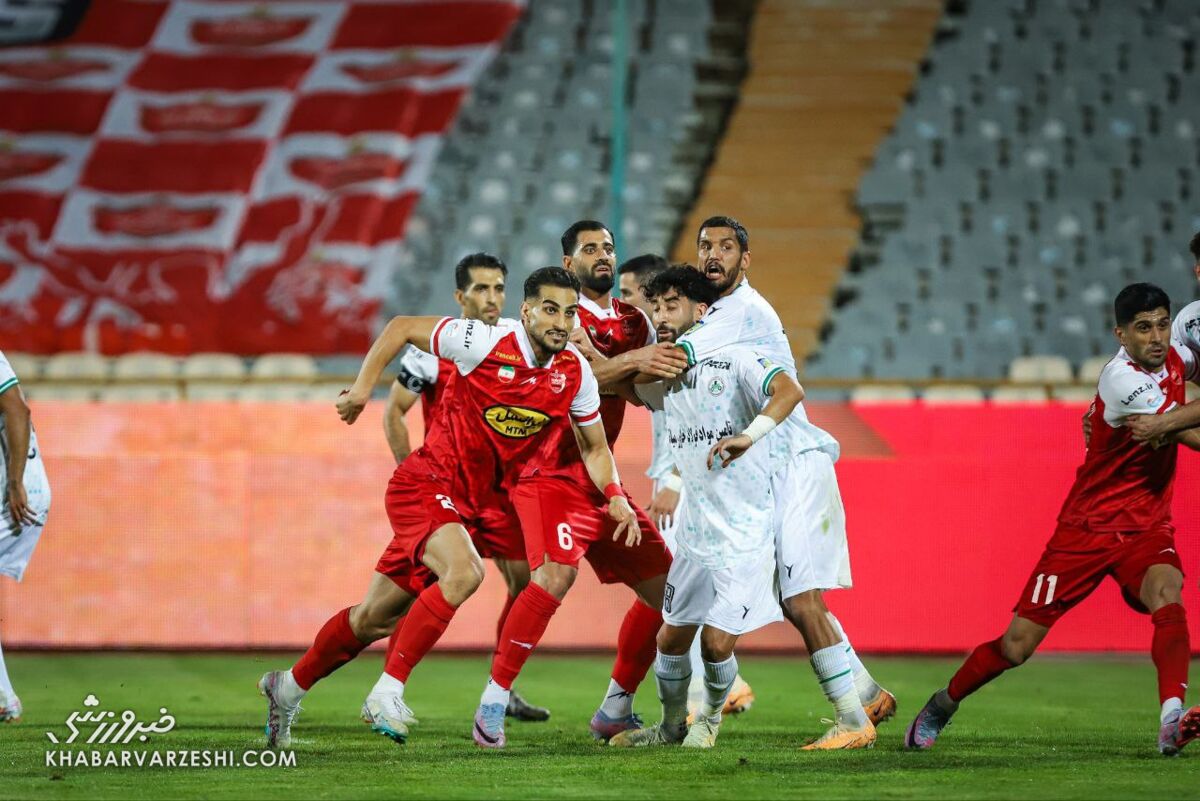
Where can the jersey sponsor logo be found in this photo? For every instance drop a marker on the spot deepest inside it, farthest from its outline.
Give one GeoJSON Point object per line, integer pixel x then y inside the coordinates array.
{"type": "Point", "coordinates": [468, 331]}
{"type": "Point", "coordinates": [506, 374]}
{"type": "Point", "coordinates": [515, 422]}
{"type": "Point", "coordinates": [719, 365]}
{"type": "Point", "coordinates": [1192, 325]}
{"type": "Point", "coordinates": [716, 386]}
{"type": "Point", "coordinates": [1137, 392]}
{"type": "Point", "coordinates": [699, 434]}
{"type": "Point", "coordinates": [558, 381]}
{"type": "Point", "coordinates": [505, 356]}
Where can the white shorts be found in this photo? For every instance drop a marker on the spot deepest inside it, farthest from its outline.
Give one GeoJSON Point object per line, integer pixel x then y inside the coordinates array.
{"type": "Point", "coordinates": [810, 526]}
{"type": "Point", "coordinates": [18, 541]}
{"type": "Point", "coordinates": [735, 600]}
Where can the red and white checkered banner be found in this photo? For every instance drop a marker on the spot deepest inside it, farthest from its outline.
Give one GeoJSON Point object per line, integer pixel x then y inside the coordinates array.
{"type": "Point", "coordinates": [188, 176]}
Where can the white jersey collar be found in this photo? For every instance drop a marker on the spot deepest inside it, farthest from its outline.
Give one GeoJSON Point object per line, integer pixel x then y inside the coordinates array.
{"type": "Point", "coordinates": [526, 346]}
{"type": "Point", "coordinates": [595, 308]}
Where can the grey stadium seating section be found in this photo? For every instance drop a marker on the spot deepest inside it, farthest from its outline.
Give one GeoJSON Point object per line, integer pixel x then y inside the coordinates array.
{"type": "Point", "coordinates": [1046, 158]}
{"type": "Point", "coordinates": [531, 149]}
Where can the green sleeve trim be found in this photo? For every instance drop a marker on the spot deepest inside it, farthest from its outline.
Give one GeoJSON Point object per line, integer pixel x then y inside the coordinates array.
{"type": "Point", "coordinates": [769, 378]}
{"type": "Point", "coordinates": [9, 383]}
{"type": "Point", "coordinates": [688, 351]}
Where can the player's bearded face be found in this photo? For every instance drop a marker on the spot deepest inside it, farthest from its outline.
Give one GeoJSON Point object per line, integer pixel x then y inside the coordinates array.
{"type": "Point", "coordinates": [1147, 338]}
{"type": "Point", "coordinates": [483, 299]}
{"type": "Point", "coordinates": [720, 258]}
{"type": "Point", "coordinates": [550, 318]}
{"type": "Point", "coordinates": [594, 260]}
{"type": "Point", "coordinates": [673, 315]}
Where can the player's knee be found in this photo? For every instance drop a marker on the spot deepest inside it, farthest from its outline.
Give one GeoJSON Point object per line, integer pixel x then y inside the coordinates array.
{"type": "Point", "coordinates": [673, 640]}
{"type": "Point", "coordinates": [371, 622]}
{"type": "Point", "coordinates": [805, 606]}
{"type": "Point", "coordinates": [1017, 648]}
{"type": "Point", "coordinates": [715, 652]}
{"type": "Point", "coordinates": [555, 579]}
{"type": "Point", "coordinates": [1166, 589]}
{"type": "Point", "coordinates": [462, 579]}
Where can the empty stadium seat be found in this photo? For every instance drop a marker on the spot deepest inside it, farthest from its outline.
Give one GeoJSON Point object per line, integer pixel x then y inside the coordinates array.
{"type": "Point", "coordinates": [201, 366]}
{"type": "Point", "coordinates": [1046, 369]}
{"type": "Point", "coordinates": [284, 365]}
{"type": "Point", "coordinates": [950, 394]}
{"type": "Point", "coordinates": [139, 393]}
{"type": "Point", "coordinates": [1074, 394]}
{"type": "Point", "coordinates": [1014, 395]}
{"type": "Point", "coordinates": [275, 392]}
{"type": "Point", "coordinates": [61, 392]}
{"type": "Point", "coordinates": [77, 366]}
{"type": "Point", "coordinates": [882, 393]}
{"type": "Point", "coordinates": [145, 365]}
{"type": "Point", "coordinates": [212, 391]}
{"type": "Point", "coordinates": [27, 366]}
{"type": "Point", "coordinates": [1089, 371]}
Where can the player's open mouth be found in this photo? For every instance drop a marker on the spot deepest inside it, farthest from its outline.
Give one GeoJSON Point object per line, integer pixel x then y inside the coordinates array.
{"type": "Point", "coordinates": [713, 270]}
{"type": "Point", "coordinates": [602, 268]}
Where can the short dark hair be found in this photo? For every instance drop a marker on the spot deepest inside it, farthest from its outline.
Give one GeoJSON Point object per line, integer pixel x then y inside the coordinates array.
{"type": "Point", "coordinates": [549, 276]}
{"type": "Point", "coordinates": [684, 279]}
{"type": "Point", "coordinates": [571, 236]}
{"type": "Point", "coordinates": [739, 230]}
{"type": "Point", "coordinates": [1137, 298]}
{"type": "Point", "coordinates": [1194, 246]}
{"type": "Point", "coordinates": [643, 267]}
{"type": "Point", "coordinates": [462, 270]}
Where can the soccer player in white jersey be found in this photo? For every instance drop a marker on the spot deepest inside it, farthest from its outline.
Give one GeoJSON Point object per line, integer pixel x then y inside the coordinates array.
{"type": "Point", "coordinates": [808, 566]}
{"type": "Point", "coordinates": [26, 503]}
{"type": "Point", "coordinates": [668, 485]}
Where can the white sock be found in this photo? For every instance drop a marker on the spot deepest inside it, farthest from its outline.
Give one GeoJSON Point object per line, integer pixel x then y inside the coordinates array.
{"type": "Point", "coordinates": [388, 685]}
{"type": "Point", "coordinates": [832, 667]}
{"type": "Point", "coordinates": [289, 691]}
{"type": "Point", "coordinates": [618, 702]}
{"type": "Point", "coordinates": [5, 685]}
{"type": "Point", "coordinates": [1169, 706]}
{"type": "Point", "coordinates": [865, 685]}
{"type": "Point", "coordinates": [673, 675]}
{"type": "Point", "coordinates": [493, 693]}
{"type": "Point", "coordinates": [718, 678]}
{"type": "Point", "coordinates": [696, 688]}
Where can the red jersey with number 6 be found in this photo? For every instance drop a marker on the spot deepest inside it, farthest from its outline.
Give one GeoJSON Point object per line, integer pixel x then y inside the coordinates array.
{"type": "Point", "coordinates": [1124, 485]}
{"type": "Point", "coordinates": [613, 331]}
{"type": "Point", "coordinates": [503, 408]}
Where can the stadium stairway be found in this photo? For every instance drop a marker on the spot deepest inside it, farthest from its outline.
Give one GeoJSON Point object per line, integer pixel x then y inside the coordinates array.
{"type": "Point", "coordinates": [826, 82]}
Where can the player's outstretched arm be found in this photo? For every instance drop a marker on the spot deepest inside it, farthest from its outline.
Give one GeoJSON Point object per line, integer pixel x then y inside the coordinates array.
{"type": "Point", "coordinates": [1189, 438]}
{"type": "Point", "coordinates": [602, 468]}
{"type": "Point", "coordinates": [785, 394]}
{"type": "Point", "coordinates": [643, 365]}
{"type": "Point", "coordinates": [400, 400]}
{"type": "Point", "coordinates": [399, 331]}
{"type": "Point", "coordinates": [17, 421]}
{"type": "Point", "coordinates": [1146, 427]}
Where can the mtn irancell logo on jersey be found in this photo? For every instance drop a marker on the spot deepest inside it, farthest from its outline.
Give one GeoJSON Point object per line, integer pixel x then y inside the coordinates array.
{"type": "Point", "coordinates": [515, 422]}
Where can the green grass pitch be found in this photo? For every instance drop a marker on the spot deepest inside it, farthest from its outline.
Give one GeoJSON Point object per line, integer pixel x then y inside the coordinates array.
{"type": "Point", "coordinates": [1056, 728]}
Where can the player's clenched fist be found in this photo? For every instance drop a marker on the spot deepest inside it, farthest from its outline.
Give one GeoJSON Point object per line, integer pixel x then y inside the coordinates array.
{"type": "Point", "coordinates": [620, 511]}
{"type": "Point", "coordinates": [728, 449]}
{"type": "Point", "coordinates": [351, 403]}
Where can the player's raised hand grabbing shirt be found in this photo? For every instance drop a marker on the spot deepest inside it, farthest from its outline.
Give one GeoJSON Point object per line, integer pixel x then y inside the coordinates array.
{"type": "Point", "coordinates": [1124, 485]}
{"type": "Point", "coordinates": [727, 514]}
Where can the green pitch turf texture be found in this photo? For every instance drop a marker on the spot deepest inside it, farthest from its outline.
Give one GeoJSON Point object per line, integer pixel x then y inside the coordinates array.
{"type": "Point", "coordinates": [1056, 728]}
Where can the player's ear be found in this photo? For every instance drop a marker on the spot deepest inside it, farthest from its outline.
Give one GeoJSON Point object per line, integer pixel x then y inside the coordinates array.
{"type": "Point", "coordinates": [459, 297]}
{"type": "Point", "coordinates": [567, 263]}
{"type": "Point", "coordinates": [525, 310]}
{"type": "Point", "coordinates": [699, 311]}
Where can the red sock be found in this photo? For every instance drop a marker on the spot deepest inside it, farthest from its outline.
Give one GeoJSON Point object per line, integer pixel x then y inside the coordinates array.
{"type": "Point", "coordinates": [636, 645]}
{"type": "Point", "coordinates": [984, 664]}
{"type": "Point", "coordinates": [334, 646]}
{"type": "Point", "coordinates": [420, 629]}
{"type": "Point", "coordinates": [527, 622]}
{"type": "Point", "coordinates": [391, 646]}
{"type": "Point", "coordinates": [1171, 650]}
{"type": "Point", "coordinates": [509, 600]}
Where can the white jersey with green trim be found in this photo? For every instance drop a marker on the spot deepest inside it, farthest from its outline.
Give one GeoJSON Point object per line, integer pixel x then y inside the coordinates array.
{"type": "Point", "coordinates": [662, 461]}
{"type": "Point", "coordinates": [745, 318]}
{"type": "Point", "coordinates": [726, 516]}
{"type": "Point", "coordinates": [37, 487]}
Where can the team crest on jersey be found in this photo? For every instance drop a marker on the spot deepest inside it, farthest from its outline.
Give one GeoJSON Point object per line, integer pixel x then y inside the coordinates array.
{"type": "Point", "coordinates": [558, 381]}
{"type": "Point", "coordinates": [506, 374]}
{"type": "Point", "coordinates": [515, 422]}
{"type": "Point", "coordinates": [716, 386]}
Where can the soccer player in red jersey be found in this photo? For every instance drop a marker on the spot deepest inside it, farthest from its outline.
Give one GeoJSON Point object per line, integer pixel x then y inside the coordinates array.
{"type": "Point", "coordinates": [517, 383]}
{"type": "Point", "coordinates": [1116, 521]}
{"type": "Point", "coordinates": [480, 292]}
{"type": "Point", "coordinates": [563, 518]}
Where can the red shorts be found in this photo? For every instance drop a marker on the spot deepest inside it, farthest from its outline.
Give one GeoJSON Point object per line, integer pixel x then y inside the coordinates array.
{"type": "Point", "coordinates": [418, 504]}
{"type": "Point", "coordinates": [564, 522]}
{"type": "Point", "coordinates": [1076, 561]}
{"type": "Point", "coordinates": [496, 531]}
